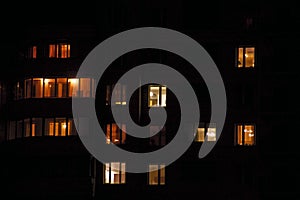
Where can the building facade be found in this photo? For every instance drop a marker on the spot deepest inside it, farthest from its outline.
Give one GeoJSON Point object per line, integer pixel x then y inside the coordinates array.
{"type": "Point", "coordinates": [42, 152]}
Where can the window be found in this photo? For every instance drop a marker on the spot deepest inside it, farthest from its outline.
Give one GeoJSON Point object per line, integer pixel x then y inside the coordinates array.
{"type": "Point", "coordinates": [61, 87]}
{"type": "Point", "coordinates": [157, 96]}
{"type": "Point", "coordinates": [49, 87]}
{"type": "Point", "coordinates": [159, 139]}
{"type": "Point", "coordinates": [245, 134]}
{"type": "Point", "coordinates": [61, 50]}
{"type": "Point", "coordinates": [37, 87]}
{"type": "Point", "coordinates": [114, 134]}
{"type": "Point", "coordinates": [114, 173]}
{"type": "Point", "coordinates": [206, 129]}
{"type": "Point", "coordinates": [118, 97]}
{"type": "Point", "coordinates": [32, 52]}
{"type": "Point", "coordinates": [57, 127]}
{"type": "Point", "coordinates": [156, 175]}
{"type": "Point", "coordinates": [246, 57]}
{"type": "Point", "coordinates": [85, 87]}
{"type": "Point", "coordinates": [73, 84]}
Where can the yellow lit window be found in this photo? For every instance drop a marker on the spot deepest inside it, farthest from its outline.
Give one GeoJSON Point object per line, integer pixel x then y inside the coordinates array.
{"type": "Point", "coordinates": [114, 134]}
{"type": "Point", "coordinates": [156, 175]}
{"type": "Point", "coordinates": [114, 173]}
{"type": "Point", "coordinates": [245, 134]}
{"type": "Point", "coordinates": [206, 130]}
{"type": "Point", "coordinates": [157, 96]}
{"type": "Point", "coordinates": [246, 57]}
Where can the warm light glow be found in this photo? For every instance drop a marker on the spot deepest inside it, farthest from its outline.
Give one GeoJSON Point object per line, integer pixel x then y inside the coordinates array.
{"type": "Point", "coordinates": [157, 96]}
{"type": "Point", "coordinates": [245, 134]}
{"type": "Point", "coordinates": [156, 175]}
{"type": "Point", "coordinates": [114, 173]}
{"type": "Point", "coordinates": [114, 134]}
{"type": "Point", "coordinates": [246, 57]}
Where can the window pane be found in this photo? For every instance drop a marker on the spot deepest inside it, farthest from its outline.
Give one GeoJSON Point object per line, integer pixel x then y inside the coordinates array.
{"type": "Point", "coordinates": [106, 173]}
{"type": "Point", "coordinates": [162, 174]}
{"type": "Point", "coordinates": [249, 135]}
{"type": "Point", "coordinates": [12, 130]}
{"type": "Point", "coordinates": [49, 127]}
{"type": "Point", "coordinates": [73, 84]}
{"type": "Point", "coordinates": [123, 172]}
{"type": "Point", "coordinates": [115, 173]}
{"type": "Point", "coordinates": [200, 135]}
{"type": "Point", "coordinates": [85, 87]}
{"type": "Point", "coordinates": [60, 127]}
{"type": "Point", "coordinates": [163, 96]}
{"type": "Point", "coordinates": [249, 56]}
{"type": "Point", "coordinates": [239, 134]}
{"type": "Point", "coordinates": [211, 134]}
{"type": "Point", "coordinates": [160, 135]}
{"type": "Point", "coordinates": [64, 50]}
{"type": "Point", "coordinates": [37, 88]}
{"type": "Point", "coordinates": [153, 174]}
{"type": "Point", "coordinates": [36, 127]}
{"type": "Point", "coordinates": [28, 88]}
{"type": "Point", "coordinates": [49, 85]}
{"type": "Point", "coordinates": [153, 96]}
{"type": "Point", "coordinates": [19, 128]}
{"type": "Point", "coordinates": [240, 57]}
{"type": "Point", "coordinates": [27, 127]}
{"type": "Point", "coordinates": [61, 86]}
{"type": "Point", "coordinates": [52, 51]}
{"type": "Point", "coordinates": [71, 127]}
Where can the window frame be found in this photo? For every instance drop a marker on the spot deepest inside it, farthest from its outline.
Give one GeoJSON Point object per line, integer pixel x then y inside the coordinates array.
{"type": "Point", "coordinates": [160, 88]}
{"type": "Point", "coordinates": [237, 55]}
{"type": "Point", "coordinates": [236, 133]}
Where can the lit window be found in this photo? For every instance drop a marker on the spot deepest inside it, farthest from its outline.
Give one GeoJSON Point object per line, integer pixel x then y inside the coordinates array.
{"type": "Point", "coordinates": [157, 96]}
{"type": "Point", "coordinates": [49, 87]}
{"type": "Point", "coordinates": [73, 85]}
{"type": "Point", "coordinates": [116, 94]}
{"type": "Point", "coordinates": [61, 86]}
{"type": "Point", "coordinates": [56, 127]}
{"type": "Point", "coordinates": [85, 87]}
{"type": "Point", "coordinates": [32, 52]}
{"type": "Point", "coordinates": [206, 130]}
{"type": "Point", "coordinates": [159, 135]}
{"type": "Point", "coordinates": [245, 134]}
{"type": "Point", "coordinates": [114, 173]}
{"type": "Point", "coordinates": [246, 57]}
{"type": "Point", "coordinates": [156, 175]}
{"type": "Point", "coordinates": [61, 50]}
{"type": "Point", "coordinates": [114, 134]}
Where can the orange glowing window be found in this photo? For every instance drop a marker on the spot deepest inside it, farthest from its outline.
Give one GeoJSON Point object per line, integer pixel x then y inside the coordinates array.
{"type": "Point", "coordinates": [245, 134]}
{"type": "Point", "coordinates": [245, 57]}
{"type": "Point", "coordinates": [61, 50]}
{"type": "Point", "coordinates": [32, 52]}
{"type": "Point", "coordinates": [156, 175]}
{"type": "Point", "coordinates": [114, 134]}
